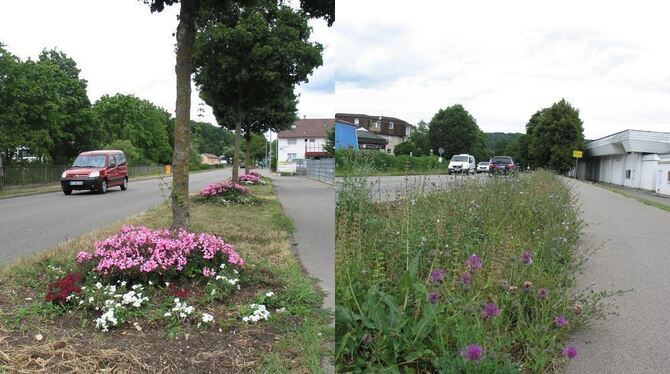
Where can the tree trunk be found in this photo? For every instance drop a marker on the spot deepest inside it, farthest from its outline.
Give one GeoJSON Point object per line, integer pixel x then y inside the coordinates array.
{"type": "Point", "coordinates": [247, 137]}
{"type": "Point", "coordinates": [182, 131]}
{"type": "Point", "coordinates": [236, 150]}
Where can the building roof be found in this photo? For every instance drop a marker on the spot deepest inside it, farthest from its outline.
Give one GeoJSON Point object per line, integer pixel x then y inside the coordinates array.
{"type": "Point", "coordinates": [365, 136]}
{"type": "Point", "coordinates": [629, 141]}
{"type": "Point", "coordinates": [308, 128]}
{"type": "Point", "coordinates": [361, 115]}
{"type": "Point", "coordinates": [209, 155]}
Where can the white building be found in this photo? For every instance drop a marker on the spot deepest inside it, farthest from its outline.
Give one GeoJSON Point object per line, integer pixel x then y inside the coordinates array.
{"type": "Point", "coordinates": [305, 140]}
{"type": "Point", "coordinates": [631, 158]}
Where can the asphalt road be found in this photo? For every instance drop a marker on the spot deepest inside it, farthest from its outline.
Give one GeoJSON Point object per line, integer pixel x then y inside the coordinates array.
{"type": "Point", "coordinates": [387, 188]}
{"type": "Point", "coordinates": [32, 223]}
{"type": "Point", "coordinates": [311, 207]}
{"type": "Point", "coordinates": [634, 253]}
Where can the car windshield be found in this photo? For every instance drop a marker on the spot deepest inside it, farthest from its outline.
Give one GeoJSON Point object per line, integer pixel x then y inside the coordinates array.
{"type": "Point", "coordinates": [501, 160]}
{"type": "Point", "coordinates": [459, 158]}
{"type": "Point", "coordinates": [483, 163]}
{"type": "Point", "coordinates": [96, 161]}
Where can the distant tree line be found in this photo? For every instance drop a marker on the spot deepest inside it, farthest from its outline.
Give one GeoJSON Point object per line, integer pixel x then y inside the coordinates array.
{"type": "Point", "coordinates": [551, 135]}
{"type": "Point", "coordinates": [44, 107]}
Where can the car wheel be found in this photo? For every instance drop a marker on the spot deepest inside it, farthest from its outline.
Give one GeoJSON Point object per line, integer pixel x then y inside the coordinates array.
{"type": "Point", "coordinates": [67, 192]}
{"type": "Point", "coordinates": [124, 186]}
{"type": "Point", "coordinates": [103, 187]}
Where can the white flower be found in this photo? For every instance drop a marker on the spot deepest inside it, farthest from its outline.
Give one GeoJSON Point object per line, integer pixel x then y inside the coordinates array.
{"type": "Point", "coordinates": [281, 310]}
{"type": "Point", "coordinates": [182, 315]}
{"type": "Point", "coordinates": [91, 299]}
{"type": "Point", "coordinates": [167, 314]}
{"type": "Point", "coordinates": [258, 313]}
{"type": "Point", "coordinates": [151, 283]}
{"type": "Point", "coordinates": [176, 300]}
{"type": "Point", "coordinates": [123, 284]}
{"type": "Point", "coordinates": [213, 291]}
{"type": "Point", "coordinates": [269, 294]}
{"type": "Point", "coordinates": [98, 285]}
{"type": "Point", "coordinates": [222, 266]}
{"type": "Point", "coordinates": [167, 284]}
{"type": "Point", "coordinates": [206, 318]}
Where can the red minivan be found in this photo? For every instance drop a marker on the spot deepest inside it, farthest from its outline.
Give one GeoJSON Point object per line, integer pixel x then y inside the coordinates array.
{"type": "Point", "coordinates": [96, 171]}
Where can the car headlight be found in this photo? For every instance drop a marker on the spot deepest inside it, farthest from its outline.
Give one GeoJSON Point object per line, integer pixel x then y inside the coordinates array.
{"type": "Point", "coordinates": [63, 175]}
{"type": "Point", "coordinates": [94, 174]}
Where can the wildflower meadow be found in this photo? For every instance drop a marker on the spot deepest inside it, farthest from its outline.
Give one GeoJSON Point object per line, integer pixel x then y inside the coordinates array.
{"type": "Point", "coordinates": [478, 278]}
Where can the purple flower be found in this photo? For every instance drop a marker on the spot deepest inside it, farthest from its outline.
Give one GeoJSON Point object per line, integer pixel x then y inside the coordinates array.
{"type": "Point", "coordinates": [569, 352]}
{"type": "Point", "coordinates": [473, 352]}
{"type": "Point", "coordinates": [466, 278]}
{"type": "Point", "coordinates": [560, 321]}
{"type": "Point", "coordinates": [437, 275]}
{"type": "Point", "coordinates": [433, 297]}
{"type": "Point", "coordinates": [490, 310]}
{"type": "Point", "coordinates": [526, 257]}
{"type": "Point", "coordinates": [367, 339]}
{"type": "Point", "coordinates": [473, 263]}
{"type": "Point", "coordinates": [543, 294]}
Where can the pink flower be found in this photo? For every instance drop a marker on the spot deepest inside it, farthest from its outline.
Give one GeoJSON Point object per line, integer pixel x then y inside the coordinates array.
{"type": "Point", "coordinates": [83, 257]}
{"type": "Point", "coordinates": [207, 272]}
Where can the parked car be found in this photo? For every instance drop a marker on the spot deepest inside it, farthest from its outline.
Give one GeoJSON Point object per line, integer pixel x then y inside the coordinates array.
{"type": "Point", "coordinates": [462, 163]}
{"type": "Point", "coordinates": [502, 165]}
{"type": "Point", "coordinates": [483, 167]}
{"type": "Point", "coordinates": [96, 171]}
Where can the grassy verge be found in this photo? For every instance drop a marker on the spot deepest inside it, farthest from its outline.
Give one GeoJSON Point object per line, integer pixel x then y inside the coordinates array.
{"type": "Point", "coordinates": [40, 336]}
{"type": "Point", "coordinates": [476, 279]}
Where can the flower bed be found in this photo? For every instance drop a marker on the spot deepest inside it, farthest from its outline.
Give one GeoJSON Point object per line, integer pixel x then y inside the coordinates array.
{"type": "Point", "coordinates": [224, 189]}
{"type": "Point", "coordinates": [251, 179]}
{"type": "Point", "coordinates": [139, 270]}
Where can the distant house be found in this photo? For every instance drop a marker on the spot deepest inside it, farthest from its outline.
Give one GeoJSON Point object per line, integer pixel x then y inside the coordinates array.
{"type": "Point", "coordinates": [631, 158]}
{"type": "Point", "coordinates": [394, 130]}
{"type": "Point", "coordinates": [345, 135]}
{"type": "Point", "coordinates": [209, 159]}
{"type": "Point", "coordinates": [369, 140]}
{"type": "Point", "coordinates": [304, 140]}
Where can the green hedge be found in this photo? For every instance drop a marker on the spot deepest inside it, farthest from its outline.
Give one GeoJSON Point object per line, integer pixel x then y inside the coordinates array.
{"type": "Point", "coordinates": [348, 160]}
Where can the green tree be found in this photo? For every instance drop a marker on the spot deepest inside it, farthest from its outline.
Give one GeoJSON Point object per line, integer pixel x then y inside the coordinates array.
{"type": "Point", "coordinates": [405, 148]}
{"type": "Point", "coordinates": [455, 130]}
{"type": "Point", "coordinates": [421, 139]}
{"type": "Point", "coordinates": [329, 147]}
{"type": "Point", "coordinates": [184, 66]}
{"type": "Point", "coordinates": [246, 68]}
{"type": "Point", "coordinates": [553, 133]}
{"type": "Point", "coordinates": [145, 125]}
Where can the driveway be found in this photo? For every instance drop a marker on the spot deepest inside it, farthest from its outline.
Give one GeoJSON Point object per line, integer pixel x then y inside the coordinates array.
{"type": "Point", "coordinates": [311, 207]}
{"type": "Point", "coordinates": [633, 253]}
{"type": "Point", "coordinates": [32, 223]}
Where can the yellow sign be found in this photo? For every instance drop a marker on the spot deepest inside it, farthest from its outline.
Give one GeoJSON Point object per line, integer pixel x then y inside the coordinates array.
{"type": "Point", "coordinates": [168, 169]}
{"type": "Point", "coordinates": [577, 154]}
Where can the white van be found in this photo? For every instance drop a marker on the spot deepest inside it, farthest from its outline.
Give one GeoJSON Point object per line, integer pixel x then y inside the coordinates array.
{"type": "Point", "coordinates": [463, 163]}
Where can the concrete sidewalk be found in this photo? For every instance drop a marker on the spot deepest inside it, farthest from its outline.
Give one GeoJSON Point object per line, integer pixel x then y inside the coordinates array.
{"type": "Point", "coordinates": [633, 252]}
{"type": "Point", "coordinates": [311, 207]}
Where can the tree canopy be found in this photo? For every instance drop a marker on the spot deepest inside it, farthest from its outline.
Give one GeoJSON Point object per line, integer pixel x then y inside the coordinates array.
{"type": "Point", "coordinates": [456, 130]}
{"type": "Point", "coordinates": [247, 69]}
{"type": "Point", "coordinates": [553, 133]}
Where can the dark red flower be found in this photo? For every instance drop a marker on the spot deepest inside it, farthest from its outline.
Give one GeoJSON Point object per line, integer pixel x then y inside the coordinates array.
{"type": "Point", "coordinates": [59, 290]}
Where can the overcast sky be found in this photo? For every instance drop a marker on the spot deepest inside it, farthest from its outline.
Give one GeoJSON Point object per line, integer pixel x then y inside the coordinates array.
{"type": "Point", "coordinates": [503, 61]}
{"type": "Point", "coordinates": [121, 47]}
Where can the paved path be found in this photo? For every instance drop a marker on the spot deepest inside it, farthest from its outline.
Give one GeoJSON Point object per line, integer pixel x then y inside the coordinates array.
{"type": "Point", "coordinates": [634, 253]}
{"type": "Point", "coordinates": [31, 223]}
{"type": "Point", "coordinates": [311, 207]}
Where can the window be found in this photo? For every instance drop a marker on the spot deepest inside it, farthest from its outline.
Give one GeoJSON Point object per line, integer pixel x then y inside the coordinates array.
{"type": "Point", "coordinates": [628, 173]}
{"type": "Point", "coordinates": [291, 142]}
{"type": "Point", "coordinates": [388, 151]}
{"type": "Point", "coordinates": [312, 140]}
{"type": "Point", "coordinates": [291, 156]}
{"type": "Point", "coordinates": [377, 124]}
{"type": "Point", "coordinates": [120, 160]}
{"type": "Point", "coordinates": [390, 125]}
{"type": "Point", "coordinates": [669, 177]}
{"type": "Point", "coordinates": [357, 121]}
